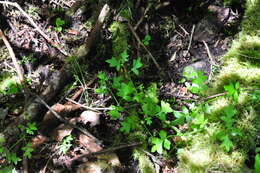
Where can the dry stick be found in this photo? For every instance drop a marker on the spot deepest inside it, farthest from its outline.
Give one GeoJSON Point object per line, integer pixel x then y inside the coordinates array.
{"type": "Point", "coordinates": [140, 42]}
{"type": "Point", "coordinates": [142, 18]}
{"type": "Point", "coordinates": [85, 132]}
{"type": "Point", "coordinates": [210, 58]}
{"type": "Point", "coordinates": [192, 32]}
{"type": "Point", "coordinates": [90, 108]}
{"type": "Point", "coordinates": [37, 28]}
{"type": "Point", "coordinates": [18, 68]}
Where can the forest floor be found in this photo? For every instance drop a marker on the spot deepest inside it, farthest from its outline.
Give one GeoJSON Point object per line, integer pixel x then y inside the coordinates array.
{"type": "Point", "coordinates": [57, 110]}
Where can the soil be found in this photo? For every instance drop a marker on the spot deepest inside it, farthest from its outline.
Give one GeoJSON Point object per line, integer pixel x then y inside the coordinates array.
{"type": "Point", "coordinates": [183, 34]}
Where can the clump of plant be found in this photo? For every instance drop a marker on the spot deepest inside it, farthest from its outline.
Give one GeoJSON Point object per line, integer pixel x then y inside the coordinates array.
{"type": "Point", "coordinates": [24, 146]}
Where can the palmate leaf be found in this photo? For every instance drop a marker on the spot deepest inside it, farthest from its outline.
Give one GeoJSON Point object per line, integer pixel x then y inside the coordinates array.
{"type": "Point", "coordinates": [165, 107]}
{"type": "Point", "coordinates": [136, 65]}
{"type": "Point", "coordinates": [113, 62]}
{"type": "Point", "coordinates": [158, 145]}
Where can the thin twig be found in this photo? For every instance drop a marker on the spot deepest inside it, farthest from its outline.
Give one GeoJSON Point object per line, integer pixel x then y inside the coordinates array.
{"type": "Point", "coordinates": [18, 68]}
{"type": "Point", "coordinates": [37, 28]}
{"type": "Point", "coordinates": [90, 108]}
{"type": "Point", "coordinates": [140, 42]}
{"type": "Point", "coordinates": [210, 58]}
{"type": "Point", "coordinates": [184, 30]}
{"type": "Point", "coordinates": [142, 18]}
{"type": "Point", "coordinates": [192, 32]}
{"type": "Point", "coordinates": [85, 132]}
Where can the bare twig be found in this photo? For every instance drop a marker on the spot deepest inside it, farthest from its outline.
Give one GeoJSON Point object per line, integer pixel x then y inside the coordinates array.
{"type": "Point", "coordinates": [210, 58]}
{"type": "Point", "coordinates": [142, 18]}
{"type": "Point", "coordinates": [85, 132]}
{"type": "Point", "coordinates": [90, 108]}
{"type": "Point", "coordinates": [140, 42]}
{"type": "Point", "coordinates": [191, 36]}
{"type": "Point", "coordinates": [18, 68]}
{"type": "Point", "coordinates": [184, 30]}
{"type": "Point", "coordinates": [37, 28]}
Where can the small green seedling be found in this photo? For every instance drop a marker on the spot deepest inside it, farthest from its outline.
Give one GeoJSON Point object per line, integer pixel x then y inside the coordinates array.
{"type": "Point", "coordinates": [66, 144]}
{"type": "Point", "coordinates": [59, 24]}
{"type": "Point", "coordinates": [146, 40]}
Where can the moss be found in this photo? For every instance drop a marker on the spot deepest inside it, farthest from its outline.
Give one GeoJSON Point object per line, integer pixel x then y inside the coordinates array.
{"type": "Point", "coordinates": [120, 37]}
{"type": "Point", "coordinates": [241, 64]}
{"type": "Point", "coordinates": [251, 22]}
{"type": "Point", "coordinates": [144, 163]}
{"type": "Point", "coordinates": [205, 155]}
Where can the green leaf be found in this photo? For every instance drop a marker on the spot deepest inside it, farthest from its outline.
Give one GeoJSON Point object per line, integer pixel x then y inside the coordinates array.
{"type": "Point", "coordinates": [136, 65]}
{"type": "Point", "coordinates": [126, 90]}
{"type": "Point", "coordinates": [163, 134]}
{"type": "Point", "coordinates": [165, 107]}
{"type": "Point", "coordinates": [146, 40]}
{"type": "Point", "coordinates": [167, 144]}
{"type": "Point", "coordinates": [13, 158]}
{"type": "Point", "coordinates": [28, 150]}
{"type": "Point", "coordinates": [124, 57]}
{"type": "Point", "coordinates": [31, 127]}
{"type": "Point", "coordinates": [226, 144]}
{"type": "Point", "coordinates": [257, 163]}
{"type": "Point", "coordinates": [113, 62]}
{"type": "Point", "coordinates": [59, 22]}
{"type": "Point", "coordinates": [158, 145]}
{"type": "Point", "coordinates": [102, 76]}
{"type": "Point", "coordinates": [115, 114]}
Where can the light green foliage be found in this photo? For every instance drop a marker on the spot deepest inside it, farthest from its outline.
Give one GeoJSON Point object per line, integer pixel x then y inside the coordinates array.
{"type": "Point", "coordinates": [146, 40]}
{"type": "Point", "coordinates": [66, 144]}
{"type": "Point", "coordinates": [103, 78]}
{"type": "Point", "coordinates": [59, 24]}
{"type": "Point", "coordinates": [233, 90]}
{"type": "Point", "coordinates": [136, 65]}
{"type": "Point", "coordinates": [9, 85]}
{"type": "Point", "coordinates": [198, 80]}
{"type": "Point", "coordinates": [115, 113]}
{"type": "Point", "coordinates": [160, 143]}
{"type": "Point", "coordinates": [27, 131]}
{"type": "Point", "coordinates": [28, 149]}
{"type": "Point", "coordinates": [257, 163]}
{"type": "Point", "coordinates": [119, 61]}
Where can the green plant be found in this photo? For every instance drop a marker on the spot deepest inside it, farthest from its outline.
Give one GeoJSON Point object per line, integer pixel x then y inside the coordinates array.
{"type": "Point", "coordinates": [233, 90]}
{"type": "Point", "coordinates": [160, 143]}
{"type": "Point", "coordinates": [257, 163]}
{"type": "Point", "coordinates": [27, 131]}
{"type": "Point", "coordinates": [198, 80]}
{"type": "Point", "coordinates": [66, 144]}
{"type": "Point", "coordinates": [146, 40]}
{"type": "Point", "coordinates": [59, 23]}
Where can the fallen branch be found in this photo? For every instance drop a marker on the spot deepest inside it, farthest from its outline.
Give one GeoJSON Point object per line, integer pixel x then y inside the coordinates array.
{"type": "Point", "coordinates": [37, 28]}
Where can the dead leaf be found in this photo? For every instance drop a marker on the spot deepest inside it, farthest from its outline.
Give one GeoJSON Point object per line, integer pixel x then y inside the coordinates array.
{"type": "Point", "coordinates": [89, 143]}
